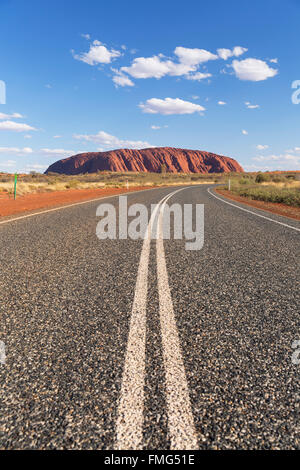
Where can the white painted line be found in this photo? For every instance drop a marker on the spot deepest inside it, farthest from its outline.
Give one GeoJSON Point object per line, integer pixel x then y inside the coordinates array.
{"type": "Point", "coordinates": [182, 431]}
{"type": "Point", "coordinates": [2, 353]}
{"type": "Point", "coordinates": [74, 204]}
{"type": "Point", "coordinates": [254, 213]}
{"type": "Point", "coordinates": [130, 417]}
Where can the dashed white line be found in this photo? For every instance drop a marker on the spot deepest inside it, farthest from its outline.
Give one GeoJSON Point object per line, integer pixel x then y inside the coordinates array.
{"type": "Point", "coordinates": [254, 213]}
{"type": "Point", "coordinates": [182, 431]}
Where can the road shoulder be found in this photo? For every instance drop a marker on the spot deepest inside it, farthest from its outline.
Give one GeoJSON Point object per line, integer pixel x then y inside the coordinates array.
{"type": "Point", "coordinates": [273, 208]}
{"type": "Point", "coordinates": [35, 202]}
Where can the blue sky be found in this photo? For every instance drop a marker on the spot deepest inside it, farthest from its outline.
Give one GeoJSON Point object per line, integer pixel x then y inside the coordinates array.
{"type": "Point", "coordinates": [92, 75]}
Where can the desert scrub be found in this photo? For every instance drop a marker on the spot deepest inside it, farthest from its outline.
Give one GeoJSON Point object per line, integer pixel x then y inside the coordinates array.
{"type": "Point", "coordinates": [288, 196]}
{"type": "Point", "coordinates": [262, 178]}
{"type": "Point", "coordinates": [73, 184]}
{"type": "Point", "coordinates": [37, 182]}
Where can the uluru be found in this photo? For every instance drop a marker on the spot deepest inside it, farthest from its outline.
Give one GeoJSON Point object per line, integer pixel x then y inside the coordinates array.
{"type": "Point", "coordinates": [154, 160]}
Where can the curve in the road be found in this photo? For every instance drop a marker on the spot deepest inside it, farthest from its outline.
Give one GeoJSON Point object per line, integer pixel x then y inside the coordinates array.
{"type": "Point", "coordinates": [252, 212]}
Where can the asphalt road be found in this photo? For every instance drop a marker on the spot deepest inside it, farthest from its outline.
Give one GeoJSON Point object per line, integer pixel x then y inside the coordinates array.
{"type": "Point", "coordinates": [136, 344]}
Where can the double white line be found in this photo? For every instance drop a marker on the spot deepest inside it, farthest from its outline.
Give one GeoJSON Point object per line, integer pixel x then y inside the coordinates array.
{"type": "Point", "coordinates": [130, 419]}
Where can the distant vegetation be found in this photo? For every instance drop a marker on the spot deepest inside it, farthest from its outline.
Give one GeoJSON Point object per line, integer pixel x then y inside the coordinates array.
{"type": "Point", "coordinates": [272, 187]}
{"type": "Point", "coordinates": [281, 188]}
{"type": "Point", "coordinates": [37, 182]}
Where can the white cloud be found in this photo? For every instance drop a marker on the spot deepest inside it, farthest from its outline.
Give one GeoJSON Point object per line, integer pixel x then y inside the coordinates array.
{"type": "Point", "coordinates": [86, 36]}
{"type": "Point", "coordinates": [122, 80]}
{"type": "Point", "coordinates": [15, 126]}
{"type": "Point", "coordinates": [235, 52]}
{"type": "Point", "coordinates": [159, 127]}
{"type": "Point", "coordinates": [36, 167]}
{"type": "Point", "coordinates": [158, 66]}
{"type": "Point", "coordinates": [56, 152]}
{"type": "Point", "coordinates": [222, 103]}
{"type": "Point", "coordinates": [8, 164]}
{"type": "Point", "coordinates": [26, 151]}
{"type": "Point", "coordinates": [10, 116]}
{"type": "Point", "coordinates": [194, 56]}
{"type": "Point", "coordinates": [251, 106]}
{"type": "Point", "coordinates": [177, 70]}
{"type": "Point", "coordinates": [185, 63]}
{"type": "Point", "coordinates": [254, 70]}
{"type": "Point", "coordinates": [198, 76]}
{"type": "Point", "coordinates": [224, 53]}
{"type": "Point", "coordinates": [109, 141]}
{"type": "Point", "coordinates": [98, 54]}
{"type": "Point", "coordinates": [48, 86]}
{"type": "Point", "coordinates": [283, 162]}
{"type": "Point", "coordinates": [238, 50]}
{"type": "Point", "coordinates": [16, 151]}
{"type": "Point", "coordinates": [244, 132]}
{"type": "Point", "coordinates": [262, 147]}
{"type": "Point", "coordinates": [150, 67]}
{"type": "Point", "coordinates": [170, 106]}
{"type": "Point", "coordinates": [155, 67]}
{"type": "Point", "coordinates": [57, 136]}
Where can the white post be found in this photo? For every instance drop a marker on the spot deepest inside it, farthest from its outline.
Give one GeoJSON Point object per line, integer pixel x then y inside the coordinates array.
{"type": "Point", "coordinates": [229, 184]}
{"type": "Point", "coordinates": [127, 185]}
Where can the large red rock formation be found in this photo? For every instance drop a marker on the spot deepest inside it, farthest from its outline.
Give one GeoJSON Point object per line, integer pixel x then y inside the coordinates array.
{"type": "Point", "coordinates": [147, 160]}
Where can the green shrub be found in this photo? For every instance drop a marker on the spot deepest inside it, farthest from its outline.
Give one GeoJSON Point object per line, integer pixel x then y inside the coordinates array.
{"type": "Point", "coordinates": [278, 179]}
{"type": "Point", "coordinates": [290, 197]}
{"type": "Point", "coordinates": [262, 178]}
{"type": "Point", "coordinates": [244, 181]}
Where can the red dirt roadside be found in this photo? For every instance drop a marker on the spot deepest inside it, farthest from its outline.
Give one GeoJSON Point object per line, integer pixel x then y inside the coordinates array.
{"type": "Point", "coordinates": [31, 202]}
{"type": "Point", "coordinates": [274, 208]}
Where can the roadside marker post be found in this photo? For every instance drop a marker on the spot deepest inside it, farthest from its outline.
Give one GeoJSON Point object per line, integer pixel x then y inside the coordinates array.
{"type": "Point", "coordinates": [229, 184]}
{"type": "Point", "coordinates": [127, 185]}
{"type": "Point", "coordinates": [15, 189]}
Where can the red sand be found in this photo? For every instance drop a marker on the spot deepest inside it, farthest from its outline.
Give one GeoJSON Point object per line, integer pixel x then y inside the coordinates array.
{"type": "Point", "coordinates": [274, 208]}
{"type": "Point", "coordinates": [31, 202]}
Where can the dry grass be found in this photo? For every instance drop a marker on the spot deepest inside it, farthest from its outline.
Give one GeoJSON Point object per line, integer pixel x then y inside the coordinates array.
{"type": "Point", "coordinates": [27, 188]}
{"type": "Point", "coordinates": [283, 190]}
{"type": "Point", "coordinates": [288, 184]}
{"type": "Point", "coordinates": [38, 183]}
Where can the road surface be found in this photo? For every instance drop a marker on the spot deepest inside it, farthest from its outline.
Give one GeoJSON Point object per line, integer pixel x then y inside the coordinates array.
{"type": "Point", "coordinates": [144, 345]}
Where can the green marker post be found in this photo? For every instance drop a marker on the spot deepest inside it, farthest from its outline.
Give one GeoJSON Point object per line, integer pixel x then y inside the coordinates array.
{"type": "Point", "coordinates": [15, 190]}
